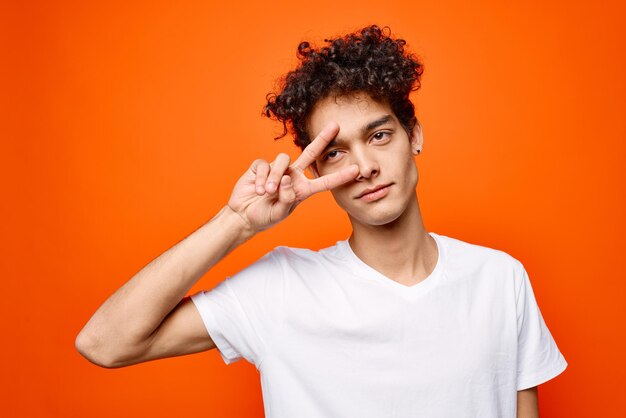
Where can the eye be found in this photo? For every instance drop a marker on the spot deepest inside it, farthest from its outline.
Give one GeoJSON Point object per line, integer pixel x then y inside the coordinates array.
{"type": "Point", "coordinates": [382, 136]}
{"type": "Point", "coordinates": [331, 155]}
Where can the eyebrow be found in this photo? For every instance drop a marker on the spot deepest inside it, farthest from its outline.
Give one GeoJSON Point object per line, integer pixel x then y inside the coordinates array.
{"type": "Point", "coordinates": [364, 130]}
{"type": "Point", "coordinates": [375, 124]}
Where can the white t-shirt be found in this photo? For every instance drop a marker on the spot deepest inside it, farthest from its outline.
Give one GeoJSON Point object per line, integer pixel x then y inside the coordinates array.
{"type": "Point", "coordinates": [332, 337]}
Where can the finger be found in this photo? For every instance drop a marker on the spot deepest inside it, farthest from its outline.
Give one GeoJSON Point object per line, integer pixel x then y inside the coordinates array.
{"type": "Point", "coordinates": [286, 198]}
{"type": "Point", "coordinates": [286, 194]}
{"type": "Point", "coordinates": [330, 181]}
{"type": "Point", "coordinates": [261, 169]}
{"type": "Point", "coordinates": [278, 168]}
{"type": "Point", "coordinates": [317, 146]}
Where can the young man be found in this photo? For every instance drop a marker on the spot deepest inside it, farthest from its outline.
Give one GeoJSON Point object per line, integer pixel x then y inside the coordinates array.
{"type": "Point", "coordinates": [395, 321]}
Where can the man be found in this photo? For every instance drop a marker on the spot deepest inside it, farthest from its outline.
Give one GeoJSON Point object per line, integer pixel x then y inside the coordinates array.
{"type": "Point", "coordinates": [393, 322]}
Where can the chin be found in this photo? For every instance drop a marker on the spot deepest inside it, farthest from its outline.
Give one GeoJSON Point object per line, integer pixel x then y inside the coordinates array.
{"type": "Point", "coordinates": [384, 212]}
{"type": "Point", "coordinates": [376, 217]}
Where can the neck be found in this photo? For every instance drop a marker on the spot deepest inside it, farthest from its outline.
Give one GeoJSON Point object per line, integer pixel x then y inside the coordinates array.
{"type": "Point", "coordinates": [401, 250]}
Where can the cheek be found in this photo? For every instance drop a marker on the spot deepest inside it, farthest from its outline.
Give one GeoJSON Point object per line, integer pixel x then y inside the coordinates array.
{"type": "Point", "coordinates": [415, 175]}
{"type": "Point", "coordinates": [410, 173]}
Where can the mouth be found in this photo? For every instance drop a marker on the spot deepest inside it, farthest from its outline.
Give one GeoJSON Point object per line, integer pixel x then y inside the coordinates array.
{"type": "Point", "coordinates": [374, 193]}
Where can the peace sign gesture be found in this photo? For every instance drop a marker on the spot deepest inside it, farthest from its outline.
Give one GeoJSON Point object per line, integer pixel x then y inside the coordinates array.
{"type": "Point", "coordinates": [268, 192]}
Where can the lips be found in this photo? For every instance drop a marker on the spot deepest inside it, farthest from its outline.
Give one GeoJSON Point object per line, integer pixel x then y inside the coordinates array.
{"type": "Point", "coordinates": [373, 192]}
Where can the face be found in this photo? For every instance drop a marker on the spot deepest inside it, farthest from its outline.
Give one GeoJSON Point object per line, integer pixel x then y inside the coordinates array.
{"type": "Point", "coordinates": [371, 137]}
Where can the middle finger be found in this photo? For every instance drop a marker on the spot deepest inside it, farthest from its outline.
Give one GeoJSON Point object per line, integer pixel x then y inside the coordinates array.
{"type": "Point", "coordinates": [317, 146]}
{"type": "Point", "coordinates": [279, 166]}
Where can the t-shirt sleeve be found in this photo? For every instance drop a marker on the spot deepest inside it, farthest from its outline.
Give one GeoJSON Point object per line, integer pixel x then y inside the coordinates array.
{"type": "Point", "coordinates": [539, 358]}
{"type": "Point", "coordinates": [241, 311]}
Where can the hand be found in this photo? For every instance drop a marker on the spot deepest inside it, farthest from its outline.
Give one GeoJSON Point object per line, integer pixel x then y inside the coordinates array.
{"type": "Point", "coordinates": [267, 193]}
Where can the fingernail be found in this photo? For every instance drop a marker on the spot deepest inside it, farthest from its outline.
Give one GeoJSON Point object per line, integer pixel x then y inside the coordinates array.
{"type": "Point", "coordinates": [271, 187]}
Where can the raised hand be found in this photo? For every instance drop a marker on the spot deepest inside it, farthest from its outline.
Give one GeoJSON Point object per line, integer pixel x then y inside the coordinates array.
{"type": "Point", "coordinates": [268, 192]}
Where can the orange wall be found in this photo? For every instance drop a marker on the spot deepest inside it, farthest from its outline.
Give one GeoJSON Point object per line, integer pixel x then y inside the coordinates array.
{"type": "Point", "coordinates": [124, 128]}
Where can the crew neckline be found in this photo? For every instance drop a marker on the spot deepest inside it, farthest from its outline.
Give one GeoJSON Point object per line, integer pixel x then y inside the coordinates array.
{"type": "Point", "coordinates": [423, 286]}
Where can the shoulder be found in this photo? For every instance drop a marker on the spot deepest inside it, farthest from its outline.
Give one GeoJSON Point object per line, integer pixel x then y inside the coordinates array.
{"type": "Point", "coordinates": [462, 255]}
{"type": "Point", "coordinates": [284, 260]}
{"type": "Point", "coordinates": [491, 271]}
{"type": "Point", "coordinates": [294, 256]}
{"type": "Point", "coordinates": [279, 269]}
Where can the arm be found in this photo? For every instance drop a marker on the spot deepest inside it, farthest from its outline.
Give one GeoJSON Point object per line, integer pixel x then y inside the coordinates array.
{"type": "Point", "coordinates": [148, 317]}
{"type": "Point", "coordinates": [528, 403]}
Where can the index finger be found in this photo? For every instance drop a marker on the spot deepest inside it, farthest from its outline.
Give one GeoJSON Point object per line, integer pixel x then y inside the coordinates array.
{"type": "Point", "coordinates": [317, 146]}
{"type": "Point", "coordinates": [332, 180]}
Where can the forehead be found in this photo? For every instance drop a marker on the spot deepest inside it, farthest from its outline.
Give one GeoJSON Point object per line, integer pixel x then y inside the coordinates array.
{"type": "Point", "coordinates": [351, 112]}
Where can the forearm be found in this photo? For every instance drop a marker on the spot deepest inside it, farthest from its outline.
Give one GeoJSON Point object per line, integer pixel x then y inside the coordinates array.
{"type": "Point", "coordinates": [129, 324]}
{"type": "Point", "coordinates": [128, 318]}
{"type": "Point", "coordinates": [528, 403]}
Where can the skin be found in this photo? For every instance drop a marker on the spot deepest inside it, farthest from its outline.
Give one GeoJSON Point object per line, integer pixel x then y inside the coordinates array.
{"type": "Point", "coordinates": [388, 233]}
{"type": "Point", "coordinates": [149, 318]}
{"type": "Point", "coordinates": [528, 403]}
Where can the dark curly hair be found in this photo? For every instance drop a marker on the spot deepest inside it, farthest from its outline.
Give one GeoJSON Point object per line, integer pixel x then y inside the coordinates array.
{"type": "Point", "coordinates": [368, 60]}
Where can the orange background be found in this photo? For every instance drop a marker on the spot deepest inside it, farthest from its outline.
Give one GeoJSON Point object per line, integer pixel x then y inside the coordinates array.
{"type": "Point", "coordinates": [125, 125]}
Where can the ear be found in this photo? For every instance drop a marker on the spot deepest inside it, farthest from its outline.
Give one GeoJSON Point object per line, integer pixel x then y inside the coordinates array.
{"type": "Point", "coordinates": [417, 138]}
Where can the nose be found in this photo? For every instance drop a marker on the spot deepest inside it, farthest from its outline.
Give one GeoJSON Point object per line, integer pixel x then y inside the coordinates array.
{"type": "Point", "coordinates": [368, 165]}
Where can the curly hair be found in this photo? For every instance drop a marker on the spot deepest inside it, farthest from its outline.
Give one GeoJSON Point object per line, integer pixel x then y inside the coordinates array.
{"type": "Point", "coordinates": [368, 60]}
